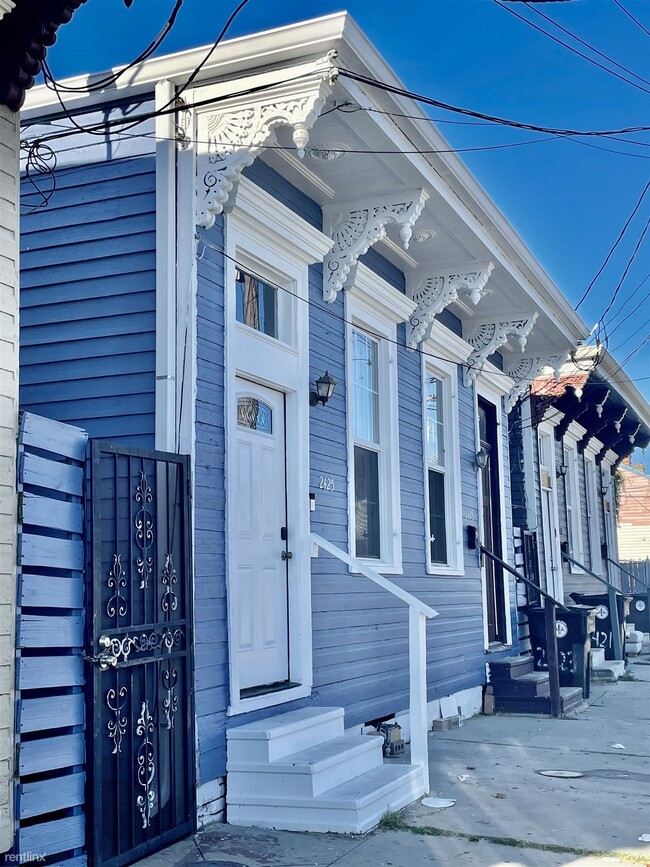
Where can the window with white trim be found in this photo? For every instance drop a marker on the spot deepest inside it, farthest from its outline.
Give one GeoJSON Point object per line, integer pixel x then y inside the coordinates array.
{"type": "Point", "coordinates": [373, 442]}
{"type": "Point", "coordinates": [572, 502]}
{"type": "Point", "coordinates": [442, 470]}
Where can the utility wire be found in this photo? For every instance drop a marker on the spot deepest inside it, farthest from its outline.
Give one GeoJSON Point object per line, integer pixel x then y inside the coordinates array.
{"type": "Point", "coordinates": [634, 334]}
{"type": "Point", "coordinates": [629, 15]}
{"type": "Point", "coordinates": [630, 315]}
{"type": "Point", "coordinates": [613, 248]}
{"type": "Point", "coordinates": [586, 44]}
{"type": "Point", "coordinates": [626, 302]}
{"type": "Point", "coordinates": [566, 45]}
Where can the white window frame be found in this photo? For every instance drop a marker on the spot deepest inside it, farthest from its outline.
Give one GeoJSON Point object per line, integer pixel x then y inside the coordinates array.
{"type": "Point", "coordinates": [573, 509]}
{"type": "Point", "coordinates": [375, 307]}
{"type": "Point", "coordinates": [551, 534]}
{"type": "Point", "coordinates": [447, 374]}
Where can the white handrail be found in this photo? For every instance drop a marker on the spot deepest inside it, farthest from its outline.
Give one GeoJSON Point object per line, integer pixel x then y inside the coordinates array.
{"type": "Point", "coordinates": [418, 614]}
{"type": "Point", "coordinates": [369, 572]}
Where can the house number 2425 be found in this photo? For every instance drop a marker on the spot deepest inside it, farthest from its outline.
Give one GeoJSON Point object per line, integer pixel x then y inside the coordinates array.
{"type": "Point", "coordinates": [326, 483]}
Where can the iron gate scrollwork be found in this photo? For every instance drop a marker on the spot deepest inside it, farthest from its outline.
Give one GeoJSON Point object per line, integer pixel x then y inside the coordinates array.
{"type": "Point", "coordinates": [141, 642]}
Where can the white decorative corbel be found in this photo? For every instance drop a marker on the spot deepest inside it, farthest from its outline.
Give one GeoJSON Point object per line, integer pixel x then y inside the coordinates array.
{"type": "Point", "coordinates": [618, 422]}
{"type": "Point", "coordinates": [355, 227]}
{"type": "Point", "coordinates": [231, 133]}
{"type": "Point", "coordinates": [432, 291]}
{"type": "Point", "coordinates": [487, 336]}
{"type": "Point", "coordinates": [527, 368]}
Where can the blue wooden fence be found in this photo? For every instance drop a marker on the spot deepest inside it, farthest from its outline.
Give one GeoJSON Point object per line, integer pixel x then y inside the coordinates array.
{"type": "Point", "coordinates": [51, 773]}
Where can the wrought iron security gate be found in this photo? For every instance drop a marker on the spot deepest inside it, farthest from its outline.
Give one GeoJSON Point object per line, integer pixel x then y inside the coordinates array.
{"type": "Point", "coordinates": [140, 701]}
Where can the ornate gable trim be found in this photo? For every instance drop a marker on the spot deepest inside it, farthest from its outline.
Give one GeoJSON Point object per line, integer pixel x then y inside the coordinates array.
{"type": "Point", "coordinates": [487, 336]}
{"type": "Point", "coordinates": [432, 291]}
{"type": "Point", "coordinates": [356, 226]}
{"type": "Point", "coordinates": [231, 134]}
{"type": "Point", "coordinates": [526, 369]}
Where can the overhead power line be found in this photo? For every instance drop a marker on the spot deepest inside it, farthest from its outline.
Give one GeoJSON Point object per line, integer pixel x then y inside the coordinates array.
{"type": "Point", "coordinates": [569, 47]}
{"type": "Point", "coordinates": [629, 15]}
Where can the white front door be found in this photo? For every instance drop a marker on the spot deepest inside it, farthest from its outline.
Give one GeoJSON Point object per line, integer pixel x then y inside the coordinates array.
{"type": "Point", "coordinates": [258, 578]}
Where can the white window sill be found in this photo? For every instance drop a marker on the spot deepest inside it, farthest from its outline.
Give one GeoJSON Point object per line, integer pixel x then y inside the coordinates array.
{"type": "Point", "coordinates": [244, 705]}
{"type": "Point", "coordinates": [382, 568]}
{"type": "Point", "coordinates": [444, 571]}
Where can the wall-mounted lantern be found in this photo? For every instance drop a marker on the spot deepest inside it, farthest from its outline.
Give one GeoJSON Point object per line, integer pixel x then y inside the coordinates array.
{"type": "Point", "coordinates": [561, 471]}
{"type": "Point", "coordinates": [481, 459]}
{"type": "Point", "coordinates": [325, 386]}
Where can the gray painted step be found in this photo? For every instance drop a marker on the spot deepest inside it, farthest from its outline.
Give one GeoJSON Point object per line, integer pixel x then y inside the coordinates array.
{"type": "Point", "coordinates": [509, 667]}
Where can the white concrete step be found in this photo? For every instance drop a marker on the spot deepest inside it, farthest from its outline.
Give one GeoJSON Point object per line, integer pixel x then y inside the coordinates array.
{"type": "Point", "coordinates": [310, 772]}
{"type": "Point", "coordinates": [351, 808]}
{"type": "Point", "coordinates": [609, 670]}
{"type": "Point", "coordinates": [270, 739]}
{"type": "Point", "coordinates": [596, 656]}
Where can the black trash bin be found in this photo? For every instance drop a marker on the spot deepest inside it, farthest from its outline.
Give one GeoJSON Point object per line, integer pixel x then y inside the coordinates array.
{"type": "Point", "coordinates": [603, 637]}
{"type": "Point", "coordinates": [574, 629]}
{"type": "Point", "coordinates": [640, 611]}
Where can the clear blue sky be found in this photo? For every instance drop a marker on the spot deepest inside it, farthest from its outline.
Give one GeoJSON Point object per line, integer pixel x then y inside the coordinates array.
{"type": "Point", "coordinates": [568, 201]}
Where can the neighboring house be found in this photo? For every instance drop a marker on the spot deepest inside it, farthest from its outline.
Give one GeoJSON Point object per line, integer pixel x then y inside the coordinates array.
{"type": "Point", "coordinates": [24, 38]}
{"type": "Point", "coordinates": [569, 438]}
{"type": "Point", "coordinates": [634, 513]}
{"type": "Point", "coordinates": [186, 291]}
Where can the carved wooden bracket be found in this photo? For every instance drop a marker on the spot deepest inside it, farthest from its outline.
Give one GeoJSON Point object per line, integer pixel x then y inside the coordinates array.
{"type": "Point", "coordinates": [434, 290]}
{"type": "Point", "coordinates": [487, 337]}
{"type": "Point", "coordinates": [525, 369]}
{"type": "Point", "coordinates": [355, 227]}
{"type": "Point", "coordinates": [231, 133]}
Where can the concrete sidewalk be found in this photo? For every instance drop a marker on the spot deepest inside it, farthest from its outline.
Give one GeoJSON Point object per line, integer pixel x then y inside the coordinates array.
{"type": "Point", "coordinates": [490, 767]}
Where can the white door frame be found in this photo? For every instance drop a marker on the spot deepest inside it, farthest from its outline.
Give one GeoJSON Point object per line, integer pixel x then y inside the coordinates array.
{"type": "Point", "coordinates": [554, 581]}
{"type": "Point", "coordinates": [494, 395]}
{"type": "Point", "coordinates": [281, 255]}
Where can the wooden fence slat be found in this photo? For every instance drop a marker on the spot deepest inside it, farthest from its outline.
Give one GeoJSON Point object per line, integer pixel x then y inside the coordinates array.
{"type": "Point", "coordinates": [53, 436]}
{"type": "Point", "coordinates": [59, 793]}
{"type": "Point", "coordinates": [43, 591]}
{"type": "Point", "coordinates": [57, 711]}
{"type": "Point", "coordinates": [50, 754]}
{"type": "Point", "coordinates": [53, 553]}
{"type": "Point", "coordinates": [45, 672]}
{"type": "Point", "coordinates": [50, 838]}
{"type": "Point", "coordinates": [53, 475]}
{"type": "Point", "coordinates": [35, 630]}
{"type": "Point", "coordinates": [53, 514]}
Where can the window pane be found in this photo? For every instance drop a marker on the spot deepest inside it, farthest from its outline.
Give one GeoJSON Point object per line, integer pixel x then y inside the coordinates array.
{"type": "Point", "coordinates": [254, 414]}
{"type": "Point", "coordinates": [366, 387]}
{"type": "Point", "coordinates": [435, 422]}
{"type": "Point", "coordinates": [437, 518]}
{"type": "Point", "coordinates": [366, 502]}
{"type": "Point", "coordinates": [256, 304]}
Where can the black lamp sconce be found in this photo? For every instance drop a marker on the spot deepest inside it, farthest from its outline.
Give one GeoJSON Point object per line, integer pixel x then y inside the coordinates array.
{"type": "Point", "coordinates": [561, 471]}
{"type": "Point", "coordinates": [481, 459]}
{"type": "Point", "coordinates": [325, 386]}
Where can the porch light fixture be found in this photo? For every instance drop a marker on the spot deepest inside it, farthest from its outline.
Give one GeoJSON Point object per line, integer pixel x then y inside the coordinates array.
{"type": "Point", "coordinates": [325, 386]}
{"type": "Point", "coordinates": [481, 459]}
{"type": "Point", "coordinates": [604, 490]}
{"type": "Point", "coordinates": [561, 471]}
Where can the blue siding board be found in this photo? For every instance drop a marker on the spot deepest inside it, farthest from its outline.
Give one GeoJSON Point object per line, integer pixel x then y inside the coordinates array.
{"type": "Point", "coordinates": [380, 265]}
{"type": "Point", "coordinates": [50, 754]}
{"type": "Point", "coordinates": [47, 672]}
{"type": "Point", "coordinates": [52, 475]}
{"type": "Point", "coordinates": [273, 182]}
{"type": "Point", "coordinates": [40, 591]}
{"type": "Point", "coordinates": [53, 712]}
{"type": "Point", "coordinates": [50, 838]}
{"type": "Point", "coordinates": [38, 798]}
{"type": "Point", "coordinates": [88, 293]}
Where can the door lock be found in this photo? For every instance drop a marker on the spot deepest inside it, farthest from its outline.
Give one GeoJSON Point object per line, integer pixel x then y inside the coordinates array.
{"type": "Point", "coordinates": [286, 555]}
{"type": "Point", "coordinates": [105, 658]}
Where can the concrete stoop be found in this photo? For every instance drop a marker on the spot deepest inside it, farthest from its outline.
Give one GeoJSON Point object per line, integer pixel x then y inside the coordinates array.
{"type": "Point", "coordinates": [299, 771]}
{"type": "Point", "coordinates": [605, 670]}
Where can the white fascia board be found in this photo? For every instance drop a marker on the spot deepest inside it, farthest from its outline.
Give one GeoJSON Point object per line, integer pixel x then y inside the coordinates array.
{"type": "Point", "coordinates": [387, 301]}
{"type": "Point", "coordinates": [575, 431]}
{"type": "Point", "coordinates": [265, 49]}
{"type": "Point", "coordinates": [443, 342]}
{"type": "Point", "coordinates": [266, 217]}
{"type": "Point", "coordinates": [494, 379]}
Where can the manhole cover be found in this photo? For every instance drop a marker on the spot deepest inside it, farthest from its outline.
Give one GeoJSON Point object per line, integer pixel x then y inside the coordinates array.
{"type": "Point", "coordinates": [563, 775]}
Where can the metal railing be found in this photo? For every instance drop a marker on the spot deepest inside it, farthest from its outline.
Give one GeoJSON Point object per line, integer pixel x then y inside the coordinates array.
{"type": "Point", "coordinates": [550, 608]}
{"type": "Point", "coordinates": [612, 593]}
{"type": "Point", "coordinates": [419, 612]}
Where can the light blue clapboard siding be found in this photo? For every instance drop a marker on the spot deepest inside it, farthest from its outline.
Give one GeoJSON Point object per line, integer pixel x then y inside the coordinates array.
{"type": "Point", "coordinates": [88, 295]}
{"type": "Point", "coordinates": [48, 672]}
{"type": "Point", "coordinates": [37, 798]}
{"type": "Point", "coordinates": [50, 838]}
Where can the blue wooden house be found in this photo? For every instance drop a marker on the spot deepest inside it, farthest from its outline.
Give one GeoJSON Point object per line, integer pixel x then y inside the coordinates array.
{"type": "Point", "coordinates": [276, 273]}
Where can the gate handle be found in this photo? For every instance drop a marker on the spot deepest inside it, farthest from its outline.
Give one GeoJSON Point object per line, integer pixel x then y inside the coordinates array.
{"type": "Point", "coordinates": [286, 555]}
